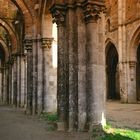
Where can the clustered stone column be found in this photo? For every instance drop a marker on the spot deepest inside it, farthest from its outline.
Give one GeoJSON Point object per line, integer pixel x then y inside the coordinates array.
{"type": "Point", "coordinates": [80, 70]}
{"type": "Point", "coordinates": [94, 81]}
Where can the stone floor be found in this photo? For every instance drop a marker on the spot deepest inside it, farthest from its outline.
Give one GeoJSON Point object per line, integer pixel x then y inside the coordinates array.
{"type": "Point", "coordinates": [15, 125]}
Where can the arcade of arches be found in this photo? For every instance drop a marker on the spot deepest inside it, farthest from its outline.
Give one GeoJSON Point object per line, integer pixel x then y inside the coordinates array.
{"type": "Point", "coordinates": [96, 44]}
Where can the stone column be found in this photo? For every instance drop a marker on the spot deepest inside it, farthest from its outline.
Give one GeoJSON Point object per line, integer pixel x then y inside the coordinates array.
{"type": "Point", "coordinates": [34, 74]}
{"type": "Point", "coordinates": [10, 81]}
{"type": "Point", "coordinates": [28, 47]}
{"type": "Point", "coordinates": [5, 91]}
{"type": "Point", "coordinates": [82, 115]}
{"type": "Point", "coordinates": [0, 82]}
{"type": "Point", "coordinates": [95, 82]}
{"type": "Point", "coordinates": [14, 80]}
{"type": "Point", "coordinates": [132, 94]}
{"type": "Point", "coordinates": [123, 81]}
{"type": "Point", "coordinates": [58, 13]}
{"type": "Point", "coordinates": [39, 75]}
{"type": "Point", "coordinates": [22, 80]}
{"type": "Point", "coordinates": [73, 68]}
{"type": "Point", "coordinates": [47, 60]}
{"type": "Point", "coordinates": [25, 77]}
{"type": "Point", "coordinates": [18, 80]}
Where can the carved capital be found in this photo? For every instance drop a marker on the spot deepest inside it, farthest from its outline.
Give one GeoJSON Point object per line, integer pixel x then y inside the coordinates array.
{"type": "Point", "coordinates": [28, 43]}
{"type": "Point", "coordinates": [92, 10]}
{"type": "Point", "coordinates": [47, 43]}
{"type": "Point", "coordinates": [58, 14]}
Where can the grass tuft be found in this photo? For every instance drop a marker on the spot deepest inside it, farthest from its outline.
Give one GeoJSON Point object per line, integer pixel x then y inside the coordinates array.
{"type": "Point", "coordinates": [50, 117]}
{"type": "Point", "coordinates": [120, 133]}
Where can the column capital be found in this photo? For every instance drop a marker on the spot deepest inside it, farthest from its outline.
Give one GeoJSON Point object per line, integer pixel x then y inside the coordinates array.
{"type": "Point", "coordinates": [47, 42]}
{"type": "Point", "coordinates": [92, 10]}
{"type": "Point", "coordinates": [58, 13]}
{"type": "Point", "coordinates": [28, 43]}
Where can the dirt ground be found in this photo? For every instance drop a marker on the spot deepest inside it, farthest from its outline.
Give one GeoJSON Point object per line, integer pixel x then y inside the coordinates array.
{"type": "Point", "coordinates": [15, 125]}
{"type": "Point", "coordinates": [123, 115]}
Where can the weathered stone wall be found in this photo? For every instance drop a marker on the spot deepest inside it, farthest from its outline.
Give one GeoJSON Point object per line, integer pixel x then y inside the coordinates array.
{"type": "Point", "coordinates": [126, 41]}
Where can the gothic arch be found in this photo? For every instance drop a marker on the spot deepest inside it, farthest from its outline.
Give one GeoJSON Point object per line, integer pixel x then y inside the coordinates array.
{"type": "Point", "coordinates": [27, 14]}
{"type": "Point", "coordinates": [5, 48]}
{"type": "Point", "coordinates": [11, 33]}
{"type": "Point", "coordinates": [132, 49]}
{"type": "Point", "coordinates": [108, 42]}
{"type": "Point", "coordinates": [112, 73]}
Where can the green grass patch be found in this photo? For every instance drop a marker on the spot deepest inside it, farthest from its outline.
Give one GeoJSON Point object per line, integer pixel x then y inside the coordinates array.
{"type": "Point", "coordinates": [120, 134]}
{"type": "Point", "coordinates": [50, 117]}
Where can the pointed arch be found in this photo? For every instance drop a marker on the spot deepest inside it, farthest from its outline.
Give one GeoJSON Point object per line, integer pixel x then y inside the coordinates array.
{"type": "Point", "coordinates": [27, 14]}
{"type": "Point", "coordinates": [132, 48]}
{"type": "Point", "coordinates": [5, 48]}
{"type": "Point", "coordinates": [112, 73]}
{"type": "Point", "coordinates": [11, 33]}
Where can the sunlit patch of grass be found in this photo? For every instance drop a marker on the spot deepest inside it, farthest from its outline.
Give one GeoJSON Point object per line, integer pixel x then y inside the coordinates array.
{"type": "Point", "coordinates": [120, 134]}
{"type": "Point", "coordinates": [50, 117]}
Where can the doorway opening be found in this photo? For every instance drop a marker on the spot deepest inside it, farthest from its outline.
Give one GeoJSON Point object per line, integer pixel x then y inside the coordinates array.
{"type": "Point", "coordinates": [112, 73]}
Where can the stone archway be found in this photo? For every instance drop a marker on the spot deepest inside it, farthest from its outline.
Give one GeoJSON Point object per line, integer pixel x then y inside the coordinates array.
{"type": "Point", "coordinates": [112, 72]}
{"type": "Point", "coordinates": [138, 73]}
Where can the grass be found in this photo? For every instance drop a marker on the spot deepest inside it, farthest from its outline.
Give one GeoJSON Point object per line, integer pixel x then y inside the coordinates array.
{"type": "Point", "coordinates": [50, 117]}
{"type": "Point", "coordinates": [120, 134]}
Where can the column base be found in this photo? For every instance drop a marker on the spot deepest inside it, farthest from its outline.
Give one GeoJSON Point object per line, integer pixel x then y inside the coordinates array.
{"type": "Point", "coordinates": [96, 132]}
{"type": "Point", "coordinates": [61, 126]}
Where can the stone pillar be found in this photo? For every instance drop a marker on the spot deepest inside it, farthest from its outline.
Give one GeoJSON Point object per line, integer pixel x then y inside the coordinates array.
{"type": "Point", "coordinates": [28, 47]}
{"type": "Point", "coordinates": [82, 113]}
{"type": "Point", "coordinates": [18, 80]}
{"type": "Point", "coordinates": [14, 80]}
{"type": "Point", "coordinates": [48, 92]}
{"type": "Point", "coordinates": [34, 75]}
{"type": "Point", "coordinates": [0, 82]}
{"type": "Point", "coordinates": [58, 13]}
{"type": "Point", "coordinates": [73, 68]}
{"type": "Point", "coordinates": [95, 82]}
{"type": "Point", "coordinates": [39, 76]}
{"type": "Point", "coordinates": [25, 86]}
{"type": "Point", "coordinates": [10, 81]}
{"type": "Point", "coordinates": [132, 94]}
{"type": "Point", "coordinates": [5, 91]}
{"type": "Point", "coordinates": [123, 81]}
{"type": "Point", "coordinates": [22, 80]}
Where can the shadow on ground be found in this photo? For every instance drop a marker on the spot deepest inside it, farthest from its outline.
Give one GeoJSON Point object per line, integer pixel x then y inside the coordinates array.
{"type": "Point", "coordinates": [115, 137]}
